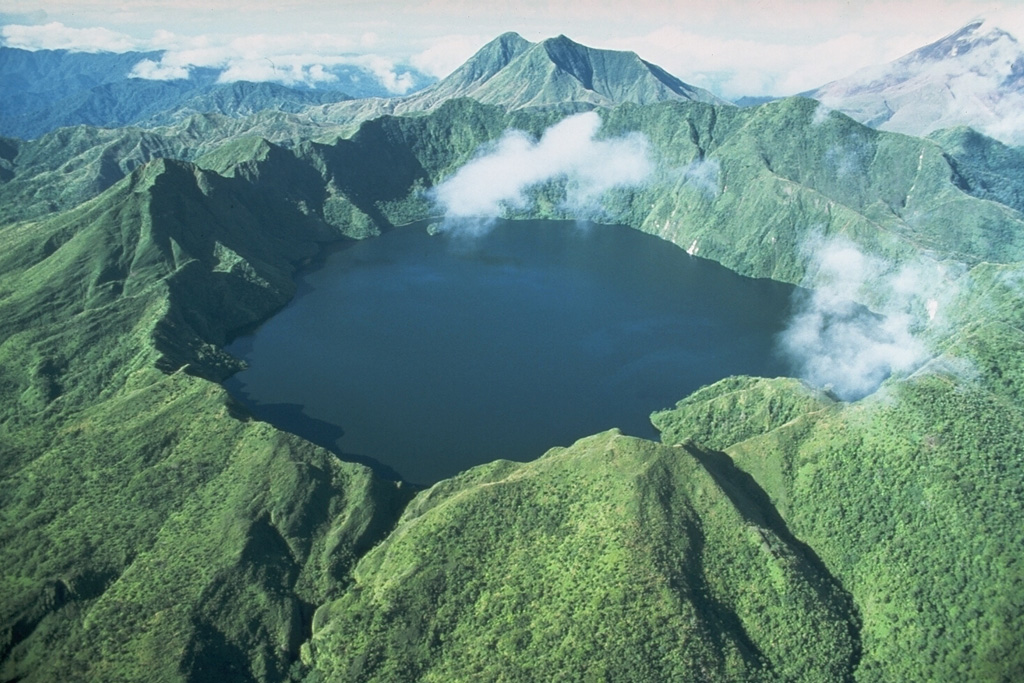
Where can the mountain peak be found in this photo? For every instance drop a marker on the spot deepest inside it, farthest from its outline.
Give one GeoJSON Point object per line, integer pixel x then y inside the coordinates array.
{"type": "Point", "coordinates": [491, 58]}
{"type": "Point", "coordinates": [513, 72]}
{"type": "Point", "coordinates": [561, 38]}
{"type": "Point", "coordinates": [978, 34]}
{"type": "Point", "coordinates": [510, 39]}
{"type": "Point", "coordinates": [974, 76]}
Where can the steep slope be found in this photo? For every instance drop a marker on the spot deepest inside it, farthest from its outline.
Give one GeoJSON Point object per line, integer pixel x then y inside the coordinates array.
{"type": "Point", "coordinates": [65, 167]}
{"type": "Point", "coordinates": [558, 73]}
{"type": "Point", "coordinates": [912, 497]}
{"type": "Point", "coordinates": [616, 558]}
{"type": "Point", "coordinates": [985, 167]}
{"type": "Point", "coordinates": [197, 542]}
{"type": "Point", "coordinates": [744, 187]}
{"type": "Point", "coordinates": [147, 523]}
{"type": "Point", "coordinates": [972, 77]}
{"type": "Point", "coordinates": [758, 182]}
{"type": "Point", "coordinates": [487, 63]}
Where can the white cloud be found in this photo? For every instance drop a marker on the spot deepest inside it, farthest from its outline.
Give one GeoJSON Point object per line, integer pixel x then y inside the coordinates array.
{"type": "Point", "coordinates": [733, 67]}
{"type": "Point", "coordinates": [736, 47]}
{"type": "Point", "coordinates": [385, 71]}
{"type": "Point", "coordinates": [299, 59]}
{"type": "Point", "coordinates": [158, 71]}
{"type": "Point", "coordinates": [502, 176]}
{"type": "Point", "coordinates": [57, 36]}
{"type": "Point", "coordinates": [447, 54]}
{"type": "Point", "coordinates": [821, 115]}
{"type": "Point", "coordinates": [263, 70]}
{"type": "Point", "coordinates": [704, 175]}
{"type": "Point", "coordinates": [836, 343]}
{"type": "Point", "coordinates": [314, 69]}
{"type": "Point", "coordinates": [290, 59]}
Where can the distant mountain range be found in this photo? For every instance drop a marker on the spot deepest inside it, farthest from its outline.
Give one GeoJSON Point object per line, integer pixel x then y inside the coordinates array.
{"type": "Point", "coordinates": [972, 77]}
{"type": "Point", "coordinates": [48, 89]}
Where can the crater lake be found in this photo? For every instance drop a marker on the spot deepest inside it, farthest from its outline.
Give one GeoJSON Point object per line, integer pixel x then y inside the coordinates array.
{"type": "Point", "coordinates": [426, 354]}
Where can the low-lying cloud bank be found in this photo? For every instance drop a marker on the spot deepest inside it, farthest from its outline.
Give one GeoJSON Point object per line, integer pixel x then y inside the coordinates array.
{"type": "Point", "coordinates": [307, 70]}
{"type": "Point", "coordinates": [503, 175]}
{"type": "Point", "coordinates": [301, 59]}
{"type": "Point", "coordinates": [835, 343]}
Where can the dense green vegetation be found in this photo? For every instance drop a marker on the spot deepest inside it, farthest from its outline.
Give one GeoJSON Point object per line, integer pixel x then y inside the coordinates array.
{"type": "Point", "coordinates": [147, 522]}
{"type": "Point", "coordinates": [912, 497]}
{"type": "Point", "coordinates": [985, 167]}
{"type": "Point", "coordinates": [913, 500]}
{"type": "Point", "coordinates": [151, 529]}
{"type": "Point", "coordinates": [764, 190]}
{"type": "Point", "coordinates": [616, 558]}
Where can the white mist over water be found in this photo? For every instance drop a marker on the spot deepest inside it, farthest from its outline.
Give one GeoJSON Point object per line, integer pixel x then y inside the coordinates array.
{"type": "Point", "coordinates": [502, 176]}
{"type": "Point", "coordinates": [834, 342]}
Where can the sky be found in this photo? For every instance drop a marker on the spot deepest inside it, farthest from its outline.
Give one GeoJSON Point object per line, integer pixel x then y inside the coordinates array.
{"type": "Point", "coordinates": [732, 47]}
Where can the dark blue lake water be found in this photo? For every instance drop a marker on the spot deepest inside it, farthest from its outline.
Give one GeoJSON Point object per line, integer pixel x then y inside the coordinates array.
{"type": "Point", "coordinates": [434, 353]}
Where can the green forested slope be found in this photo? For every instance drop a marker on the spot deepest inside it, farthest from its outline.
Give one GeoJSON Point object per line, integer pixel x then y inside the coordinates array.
{"type": "Point", "coordinates": [912, 497]}
{"type": "Point", "coordinates": [985, 167]}
{"type": "Point", "coordinates": [744, 187]}
{"type": "Point", "coordinates": [150, 529]}
{"type": "Point", "coordinates": [781, 173]}
{"type": "Point", "coordinates": [913, 501]}
{"type": "Point", "coordinates": [615, 558]}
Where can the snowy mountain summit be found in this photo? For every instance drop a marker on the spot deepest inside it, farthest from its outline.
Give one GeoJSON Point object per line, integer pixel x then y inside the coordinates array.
{"type": "Point", "coordinates": [972, 77]}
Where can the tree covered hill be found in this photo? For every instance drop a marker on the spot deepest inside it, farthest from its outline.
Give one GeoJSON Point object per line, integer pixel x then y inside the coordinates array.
{"type": "Point", "coordinates": [151, 528]}
{"type": "Point", "coordinates": [615, 558]}
{"type": "Point", "coordinates": [744, 186]}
